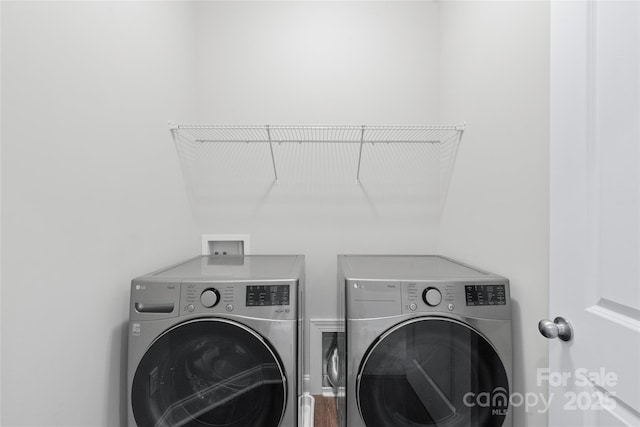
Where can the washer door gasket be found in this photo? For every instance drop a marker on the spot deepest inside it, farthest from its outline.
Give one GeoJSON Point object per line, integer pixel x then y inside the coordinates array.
{"type": "Point", "coordinates": [432, 372]}
{"type": "Point", "coordinates": [209, 372]}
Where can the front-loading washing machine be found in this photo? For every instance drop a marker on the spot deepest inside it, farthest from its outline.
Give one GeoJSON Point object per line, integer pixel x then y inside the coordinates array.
{"type": "Point", "coordinates": [427, 343]}
{"type": "Point", "coordinates": [217, 341]}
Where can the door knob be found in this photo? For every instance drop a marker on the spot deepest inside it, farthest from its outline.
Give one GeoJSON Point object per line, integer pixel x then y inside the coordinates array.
{"type": "Point", "coordinates": [559, 328]}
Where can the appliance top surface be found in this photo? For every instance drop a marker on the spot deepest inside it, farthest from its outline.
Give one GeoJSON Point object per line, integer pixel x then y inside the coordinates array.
{"type": "Point", "coordinates": [229, 267]}
{"type": "Point", "coordinates": [409, 267]}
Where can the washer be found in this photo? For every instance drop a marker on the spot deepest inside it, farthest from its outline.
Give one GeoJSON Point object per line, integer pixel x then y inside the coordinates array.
{"type": "Point", "coordinates": [427, 343]}
{"type": "Point", "coordinates": [216, 341]}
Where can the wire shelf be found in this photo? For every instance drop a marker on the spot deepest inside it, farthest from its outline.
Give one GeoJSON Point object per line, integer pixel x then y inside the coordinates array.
{"type": "Point", "coordinates": [445, 137]}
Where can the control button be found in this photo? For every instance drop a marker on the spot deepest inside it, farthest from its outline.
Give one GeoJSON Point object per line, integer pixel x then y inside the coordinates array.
{"type": "Point", "coordinates": [413, 306]}
{"type": "Point", "coordinates": [451, 306]}
{"type": "Point", "coordinates": [210, 297]}
{"type": "Point", "coordinates": [229, 307]}
{"type": "Point", "coordinates": [191, 307]}
{"type": "Point", "coordinates": [432, 297]}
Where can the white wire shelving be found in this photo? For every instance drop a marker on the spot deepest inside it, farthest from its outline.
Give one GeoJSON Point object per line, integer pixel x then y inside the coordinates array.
{"type": "Point", "coordinates": [446, 137]}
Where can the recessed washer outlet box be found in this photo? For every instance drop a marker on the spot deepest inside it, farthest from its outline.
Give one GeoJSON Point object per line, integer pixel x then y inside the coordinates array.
{"type": "Point", "coordinates": [225, 244]}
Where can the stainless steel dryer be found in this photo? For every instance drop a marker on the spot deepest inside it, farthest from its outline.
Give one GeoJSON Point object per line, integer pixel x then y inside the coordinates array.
{"type": "Point", "coordinates": [427, 343]}
{"type": "Point", "coordinates": [216, 341]}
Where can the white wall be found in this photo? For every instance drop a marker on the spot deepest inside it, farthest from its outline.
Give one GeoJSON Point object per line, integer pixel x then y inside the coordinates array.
{"type": "Point", "coordinates": [92, 194]}
{"type": "Point", "coordinates": [317, 62]}
{"type": "Point", "coordinates": [495, 75]}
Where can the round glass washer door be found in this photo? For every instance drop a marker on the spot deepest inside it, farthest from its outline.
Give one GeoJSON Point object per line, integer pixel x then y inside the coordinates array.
{"type": "Point", "coordinates": [209, 373]}
{"type": "Point", "coordinates": [432, 372]}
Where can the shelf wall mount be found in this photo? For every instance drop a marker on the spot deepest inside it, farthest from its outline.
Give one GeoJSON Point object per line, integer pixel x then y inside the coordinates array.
{"type": "Point", "coordinates": [448, 136]}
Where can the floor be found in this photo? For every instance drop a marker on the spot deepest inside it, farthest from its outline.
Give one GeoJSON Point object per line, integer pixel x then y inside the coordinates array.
{"type": "Point", "coordinates": [325, 412]}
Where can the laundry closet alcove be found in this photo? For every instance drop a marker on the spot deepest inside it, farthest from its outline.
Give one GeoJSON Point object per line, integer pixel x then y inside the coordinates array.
{"type": "Point", "coordinates": [320, 190]}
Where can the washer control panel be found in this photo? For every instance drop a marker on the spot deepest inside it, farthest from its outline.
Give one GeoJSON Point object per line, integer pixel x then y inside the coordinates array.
{"type": "Point", "coordinates": [432, 297]}
{"type": "Point", "coordinates": [257, 299]}
{"type": "Point", "coordinates": [210, 297]}
{"type": "Point", "coordinates": [267, 295]}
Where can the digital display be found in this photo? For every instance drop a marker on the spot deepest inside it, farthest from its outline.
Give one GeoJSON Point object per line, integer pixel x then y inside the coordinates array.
{"type": "Point", "coordinates": [485, 295]}
{"type": "Point", "coordinates": [267, 295]}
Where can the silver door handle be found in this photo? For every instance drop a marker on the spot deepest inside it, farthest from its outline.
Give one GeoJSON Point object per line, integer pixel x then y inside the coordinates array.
{"type": "Point", "coordinates": [559, 328]}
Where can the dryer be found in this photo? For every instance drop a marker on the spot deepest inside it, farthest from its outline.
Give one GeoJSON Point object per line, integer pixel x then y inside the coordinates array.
{"type": "Point", "coordinates": [427, 343]}
{"type": "Point", "coordinates": [216, 341]}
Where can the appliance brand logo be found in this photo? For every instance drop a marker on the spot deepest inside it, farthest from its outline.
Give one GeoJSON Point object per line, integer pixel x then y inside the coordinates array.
{"type": "Point", "coordinates": [362, 286]}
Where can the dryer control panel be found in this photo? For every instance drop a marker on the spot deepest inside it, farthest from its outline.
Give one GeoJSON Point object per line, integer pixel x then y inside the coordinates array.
{"type": "Point", "coordinates": [485, 294]}
{"type": "Point", "coordinates": [465, 298]}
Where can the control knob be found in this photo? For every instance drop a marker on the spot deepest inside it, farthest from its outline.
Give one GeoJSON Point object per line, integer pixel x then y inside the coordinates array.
{"type": "Point", "coordinates": [432, 297]}
{"type": "Point", "coordinates": [210, 297]}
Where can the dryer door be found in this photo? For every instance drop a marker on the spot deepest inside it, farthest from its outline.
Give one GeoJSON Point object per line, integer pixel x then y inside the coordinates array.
{"type": "Point", "coordinates": [432, 372]}
{"type": "Point", "coordinates": [209, 372]}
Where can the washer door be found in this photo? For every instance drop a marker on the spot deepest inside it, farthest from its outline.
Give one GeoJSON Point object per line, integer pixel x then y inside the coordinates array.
{"type": "Point", "coordinates": [209, 372]}
{"type": "Point", "coordinates": [432, 372]}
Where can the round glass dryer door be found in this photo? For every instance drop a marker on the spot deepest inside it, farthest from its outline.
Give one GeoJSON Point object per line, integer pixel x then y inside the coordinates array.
{"type": "Point", "coordinates": [209, 372]}
{"type": "Point", "coordinates": [432, 372]}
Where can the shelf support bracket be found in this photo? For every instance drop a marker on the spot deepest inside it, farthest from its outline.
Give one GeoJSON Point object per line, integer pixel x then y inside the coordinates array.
{"type": "Point", "coordinates": [360, 154]}
{"type": "Point", "coordinates": [273, 158]}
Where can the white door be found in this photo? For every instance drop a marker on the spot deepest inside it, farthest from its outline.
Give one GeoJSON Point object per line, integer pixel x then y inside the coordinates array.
{"type": "Point", "coordinates": [594, 379]}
